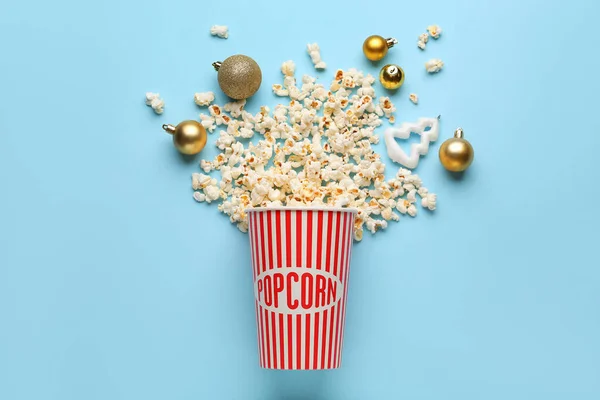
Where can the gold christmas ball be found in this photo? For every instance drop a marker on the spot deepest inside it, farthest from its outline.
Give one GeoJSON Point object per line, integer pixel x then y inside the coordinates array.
{"type": "Point", "coordinates": [456, 154]}
{"type": "Point", "coordinates": [239, 76]}
{"type": "Point", "coordinates": [391, 76]}
{"type": "Point", "coordinates": [189, 137]}
{"type": "Point", "coordinates": [376, 47]}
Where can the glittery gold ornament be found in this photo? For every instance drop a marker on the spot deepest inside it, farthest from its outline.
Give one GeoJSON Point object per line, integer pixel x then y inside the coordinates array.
{"type": "Point", "coordinates": [239, 76]}
{"type": "Point", "coordinates": [456, 154]}
{"type": "Point", "coordinates": [376, 47]}
{"type": "Point", "coordinates": [391, 76]}
{"type": "Point", "coordinates": [189, 137]}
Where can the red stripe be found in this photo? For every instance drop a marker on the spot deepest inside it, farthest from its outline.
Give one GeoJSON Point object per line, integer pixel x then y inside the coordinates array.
{"type": "Point", "coordinates": [263, 267]}
{"type": "Point", "coordinates": [267, 336]}
{"type": "Point", "coordinates": [335, 308]}
{"type": "Point", "coordinates": [324, 339]}
{"type": "Point", "coordinates": [270, 239]}
{"type": "Point", "coordinates": [288, 238]}
{"type": "Point", "coordinates": [309, 238]}
{"type": "Point", "coordinates": [281, 342]}
{"type": "Point", "coordinates": [316, 341]}
{"type": "Point", "coordinates": [327, 262]}
{"type": "Point", "coordinates": [319, 238]}
{"type": "Point", "coordinates": [262, 240]}
{"type": "Point", "coordinates": [329, 227]}
{"type": "Point", "coordinates": [278, 234]}
{"type": "Point", "coordinates": [307, 349]}
{"type": "Point", "coordinates": [289, 335]}
{"type": "Point", "coordinates": [331, 341]}
{"type": "Point", "coordinates": [299, 238]}
{"type": "Point", "coordinates": [274, 339]}
{"type": "Point", "coordinates": [259, 321]}
{"type": "Point", "coordinates": [255, 243]}
{"type": "Point", "coordinates": [251, 236]}
{"type": "Point", "coordinates": [338, 327]}
{"type": "Point", "coordinates": [266, 353]}
{"type": "Point", "coordinates": [258, 332]}
{"type": "Point", "coordinates": [345, 295]}
{"type": "Point", "coordinates": [272, 243]}
{"type": "Point", "coordinates": [298, 341]}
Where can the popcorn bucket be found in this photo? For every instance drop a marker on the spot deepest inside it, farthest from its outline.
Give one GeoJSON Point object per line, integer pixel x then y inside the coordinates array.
{"type": "Point", "coordinates": [300, 261]}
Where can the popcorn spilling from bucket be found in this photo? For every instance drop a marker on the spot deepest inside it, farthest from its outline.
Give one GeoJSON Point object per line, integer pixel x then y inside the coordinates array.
{"type": "Point", "coordinates": [314, 151]}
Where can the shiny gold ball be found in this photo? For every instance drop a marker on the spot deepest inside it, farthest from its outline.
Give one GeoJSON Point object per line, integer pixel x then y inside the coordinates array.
{"type": "Point", "coordinates": [189, 137]}
{"type": "Point", "coordinates": [239, 76]}
{"type": "Point", "coordinates": [391, 76]}
{"type": "Point", "coordinates": [376, 47]}
{"type": "Point", "coordinates": [456, 154]}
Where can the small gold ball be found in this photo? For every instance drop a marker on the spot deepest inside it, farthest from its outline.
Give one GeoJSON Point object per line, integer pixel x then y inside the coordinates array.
{"type": "Point", "coordinates": [239, 77]}
{"type": "Point", "coordinates": [375, 47]}
{"type": "Point", "coordinates": [456, 154]}
{"type": "Point", "coordinates": [189, 137]}
{"type": "Point", "coordinates": [391, 76]}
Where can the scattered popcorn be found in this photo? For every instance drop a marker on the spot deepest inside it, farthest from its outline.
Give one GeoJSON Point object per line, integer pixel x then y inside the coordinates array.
{"type": "Point", "coordinates": [315, 150]}
{"type": "Point", "coordinates": [423, 39]}
{"type": "Point", "coordinates": [434, 65]}
{"type": "Point", "coordinates": [153, 100]}
{"type": "Point", "coordinates": [435, 31]}
{"type": "Point", "coordinates": [204, 99]}
{"type": "Point", "coordinates": [315, 55]}
{"type": "Point", "coordinates": [414, 98]}
{"type": "Point", "coordinates": [221, 31]}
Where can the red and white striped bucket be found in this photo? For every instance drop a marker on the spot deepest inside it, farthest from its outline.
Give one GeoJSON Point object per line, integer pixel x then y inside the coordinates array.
{"type": "Point", "coordinates": [301, 261]}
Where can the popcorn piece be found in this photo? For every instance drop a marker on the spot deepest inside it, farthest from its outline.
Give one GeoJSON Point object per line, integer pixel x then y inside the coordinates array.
{"type": "Point", "coordinates": [315, 55]}
{"type": "Point", "coordinates": [235, 108]}
{"type": "Point", "coordinates": [280, 91]}
{"type": "Point", "coordinates": [288, 68]}
{"type": "Point", "coordinates": [153, 100]}
{"type": "Point", "coordinates": [204, 99]}
{"type": "Point", "coordinates": [423, 39]}
{"type": "Point", "coordinates": [199, 197]}
{"type": "Point", "coordinates": [221, 31]}
{"type": "Point", "coordinates": [429, 201]}
{"type": "Point", "coordinates": [413, 98]}
{"type": "Point", "coordinates": [434, 65]}
{"type": "Point", "coordinates": [200, 181]}
{"type": "Point", "coordinates": [435, 31]}
{"type": "Point", "coordinates": [208, 122]}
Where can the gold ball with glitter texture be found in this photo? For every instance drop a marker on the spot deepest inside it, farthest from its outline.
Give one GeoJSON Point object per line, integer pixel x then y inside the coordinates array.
{"type": "Point", "coordinates": [376, 47]}
{"type": "Point", "coordinates": [239, 76]}
{"type": "Point", "coordinates": [189, 137]}
{"type": "Point", "coordinates": [391, 76]}
{"type": "Point", "coordinates": [456, 154]}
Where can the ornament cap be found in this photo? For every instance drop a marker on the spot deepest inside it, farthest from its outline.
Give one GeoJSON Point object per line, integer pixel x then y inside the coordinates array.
{"type": "Point", "coordinates": [216, 65]}
{"type": "Point", "coordinates": [169, 128]}
{"type": "Point", "coordinates": [458, 133]}
{"type": "Point", "coordinates": [391, 42]}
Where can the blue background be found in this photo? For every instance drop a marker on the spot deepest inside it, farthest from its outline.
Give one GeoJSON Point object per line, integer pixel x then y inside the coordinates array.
{"type": "Point", "coordinates": [115, 284]}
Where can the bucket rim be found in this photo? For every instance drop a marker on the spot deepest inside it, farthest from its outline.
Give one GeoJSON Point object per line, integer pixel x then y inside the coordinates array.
{"type": "Point", "coordinates": [300, 208]}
